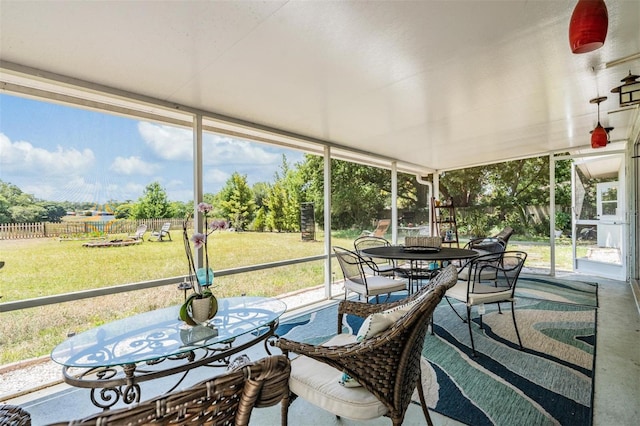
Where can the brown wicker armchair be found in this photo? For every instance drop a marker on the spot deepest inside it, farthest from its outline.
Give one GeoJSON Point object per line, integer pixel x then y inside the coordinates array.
{"type": "Point", "coordinates": [12, 415]}
{"type": "Point", "coordinates": [387, 365]}
{"type": "Point", "coordinates": [227, 399]}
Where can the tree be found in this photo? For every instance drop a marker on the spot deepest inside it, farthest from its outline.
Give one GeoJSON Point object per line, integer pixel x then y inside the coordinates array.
{"type": "Point", "coordinates": [515, 186]}
{"type": "Point", "coordinates": [236, 201]}
{"type": "Point", "coordinates": [54, 212]}
{"type": "Point", "coordinates": [276, 202]}
{"type": "Point", "coordinates": [124, 211]}
{"type": "Point", "coordinates": [284, 198]}
{"type": "Point", "coordinates": [152, 204]}
{"type": "Point", "coordinates": [17, 206]}
{"type": "Point", "coordinates": [358, 193]}
{"type": "Point", "coordinates": [27, 214]}
{"type": "Point", "coordinates": [179, 209]}
{"type": "Point", "coordinates": [465, 187]}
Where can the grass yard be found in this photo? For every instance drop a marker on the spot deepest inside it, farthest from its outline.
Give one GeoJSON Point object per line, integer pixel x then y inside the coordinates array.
{"type": "Point", "coordinates": [42, 267]}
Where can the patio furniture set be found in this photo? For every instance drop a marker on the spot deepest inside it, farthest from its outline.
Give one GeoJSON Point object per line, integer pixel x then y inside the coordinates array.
{"type": "Point", "coordinates": [361, 376]}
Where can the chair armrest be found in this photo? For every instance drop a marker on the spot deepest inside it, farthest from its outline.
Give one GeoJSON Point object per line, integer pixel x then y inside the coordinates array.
{"type": "Point", "coordinates": [315, 351]}
{"type": "Point", "coordinates": [362, 310]}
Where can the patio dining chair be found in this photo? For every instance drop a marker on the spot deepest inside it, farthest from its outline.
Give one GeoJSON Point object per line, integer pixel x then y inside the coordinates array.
{"type": "Point", "coordinates": [362, 276]}
{"type": "Point", "coordinates": [487, 245]}
{"type": "Point", "coordinates": [497, 243]}
{"type": "Point", "coordinates": [475, 290]}
{"type": "Point", "coordinates": [385, 267]}
{"type": "Point", "coordinates": [227, 399]}
{"type": "Point", "coordinates": [381, 364]}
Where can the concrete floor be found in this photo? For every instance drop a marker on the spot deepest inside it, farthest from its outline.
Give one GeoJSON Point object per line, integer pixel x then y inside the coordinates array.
{"type": "Point", "coordinates": [616, 394]}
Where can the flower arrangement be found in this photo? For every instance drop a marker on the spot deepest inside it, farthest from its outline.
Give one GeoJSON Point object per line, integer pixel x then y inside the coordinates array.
{"type": "Point", "coordinates": [200, 279]}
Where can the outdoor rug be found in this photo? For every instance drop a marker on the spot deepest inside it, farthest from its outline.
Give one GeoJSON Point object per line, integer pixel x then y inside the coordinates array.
{"type": "Point", "coordinates": [550, 382]}
{"type": "Point", "coordinates": [557, 289]}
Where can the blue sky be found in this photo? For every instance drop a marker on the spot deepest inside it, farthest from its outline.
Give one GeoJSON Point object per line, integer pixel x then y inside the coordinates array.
{"type": "Point", "coordinates": [62, 153]}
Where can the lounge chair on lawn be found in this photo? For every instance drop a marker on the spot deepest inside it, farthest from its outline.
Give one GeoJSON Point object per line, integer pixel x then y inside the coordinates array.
{"type": "Point", "coordinates": [162, 233]}
{"type": "Point", "coordinates": [139, 235]}
{"type": "Point", "coordinates": [381, 229]}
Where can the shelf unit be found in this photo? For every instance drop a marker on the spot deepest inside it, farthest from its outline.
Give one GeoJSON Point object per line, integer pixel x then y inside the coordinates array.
{"type": "Point", "coordinates": [443, 217]}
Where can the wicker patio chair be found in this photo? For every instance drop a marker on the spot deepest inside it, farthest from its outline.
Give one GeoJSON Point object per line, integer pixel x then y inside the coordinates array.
{"type": "Point", "coordinates": [474, 290]}
{"type": "Point", "coordinates": [362, 276]}
{"type": "Point", "coordinates": [12, 415]}
{"type": "Point", "coordinates": [227, 399]}
{"type": "Point", "coordinates": [386, 365]}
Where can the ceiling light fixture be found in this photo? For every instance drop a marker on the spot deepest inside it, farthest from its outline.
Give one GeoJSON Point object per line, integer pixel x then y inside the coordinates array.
{"type": "Point", "coordinates": [588, 26]}
{"type": "Point", "coordinates": [629, 92]}
{"type": "Point", "coordinates": [599, 135]}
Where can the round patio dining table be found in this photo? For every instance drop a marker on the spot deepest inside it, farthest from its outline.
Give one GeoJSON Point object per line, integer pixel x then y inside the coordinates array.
{"type": "Point", "coordinates": [428, 254]}
{"type": "Point", "coordinates": [417, 255]}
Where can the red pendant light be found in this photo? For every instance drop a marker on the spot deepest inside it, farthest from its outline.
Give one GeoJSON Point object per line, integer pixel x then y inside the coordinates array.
{"type": "Point", "coordinates": [588, 26]}
{"type": "Point", "coordinates": [599, 135]}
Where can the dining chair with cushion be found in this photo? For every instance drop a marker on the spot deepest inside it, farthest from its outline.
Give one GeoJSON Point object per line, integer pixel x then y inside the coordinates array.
{"type": "Point", "coordinates": [374, 373]}
{"type": "Point", "coordinates": [476, 290]}
{"type": "Point", "coordinates": [485, 246]}
{"type": "Point", "coordinates": [361, 276]}
{"type": "Point", "coordinates": [227, 399]}
{"type": "Point", "coordinates": [385, 267]}
{"type": "Point", "coordinates": [497, 243]}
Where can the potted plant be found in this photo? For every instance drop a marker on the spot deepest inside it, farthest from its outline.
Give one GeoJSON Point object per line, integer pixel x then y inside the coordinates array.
{"type": "Point", "coordinates": [202, 304]}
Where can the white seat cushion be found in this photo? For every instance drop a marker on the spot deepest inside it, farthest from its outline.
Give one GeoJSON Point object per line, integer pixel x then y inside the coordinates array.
{"type": "Point", "coordinates": [482, 293]}
{"type": "Point", "coordinates": [318, 383]}
{"type": "Point", "coordinates": [377, 284]}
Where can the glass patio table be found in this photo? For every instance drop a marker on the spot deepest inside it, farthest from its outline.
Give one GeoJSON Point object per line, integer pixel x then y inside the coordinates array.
{"type": "Point", "coordinates": [113, 359]}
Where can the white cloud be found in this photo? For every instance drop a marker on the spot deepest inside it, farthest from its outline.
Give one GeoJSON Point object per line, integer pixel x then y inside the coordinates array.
{"type": "Point", "coordinates": [173, 143]}
{"type": "Point", "coordinates": [215, 177]}
{"type": "Point", "coordinates": [22, 158]}
{"type": "Point", "coordinates": [223, 150]}
{"type": "Point", "coordinates": [133, 166]}
{"type": "Point", "coordinates": [168, 143]}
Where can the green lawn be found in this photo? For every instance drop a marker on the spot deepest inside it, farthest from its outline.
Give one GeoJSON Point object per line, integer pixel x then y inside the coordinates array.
{"type": "Point", "coordinates": [40, 267]}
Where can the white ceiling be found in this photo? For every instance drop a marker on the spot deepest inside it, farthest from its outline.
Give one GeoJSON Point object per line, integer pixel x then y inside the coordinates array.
{"type": "Point", "coordinates": [438, 84]}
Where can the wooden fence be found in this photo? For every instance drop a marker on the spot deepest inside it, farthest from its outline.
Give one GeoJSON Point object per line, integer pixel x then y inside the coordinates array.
{"type": "Point", "coordinates": [80, 228]}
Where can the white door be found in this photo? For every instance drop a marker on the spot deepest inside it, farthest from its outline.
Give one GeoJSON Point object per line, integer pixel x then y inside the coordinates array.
{"type": "Point", "coordinates": [609, 219]}
{"type": "Point", "coordinates": [599, 212]}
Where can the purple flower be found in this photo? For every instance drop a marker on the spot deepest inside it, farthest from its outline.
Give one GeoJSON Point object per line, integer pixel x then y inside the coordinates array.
{"type": "Point", "coordinates": [218, 224]}
{"type": "Point", "coordinates": [199, 240]}
{"type": "Point", "coordinates": [205, 208]}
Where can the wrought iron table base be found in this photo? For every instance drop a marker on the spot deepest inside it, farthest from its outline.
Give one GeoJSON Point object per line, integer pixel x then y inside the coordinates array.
{"type": "Point", "coordinates": [110, 385]}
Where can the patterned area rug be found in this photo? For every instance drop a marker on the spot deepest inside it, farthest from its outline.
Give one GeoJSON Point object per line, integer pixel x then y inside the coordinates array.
{"type": "Point", "coordinates": [550, 382]}
{"type": "Point", "coordinates": [557, 289]}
